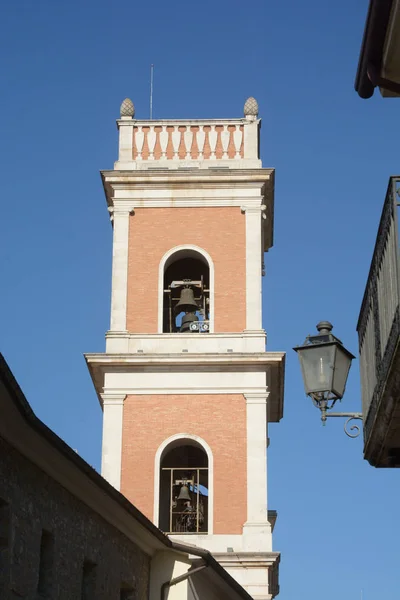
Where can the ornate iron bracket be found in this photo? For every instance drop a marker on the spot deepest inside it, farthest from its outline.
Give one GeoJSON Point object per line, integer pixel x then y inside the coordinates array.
{"type": "Point", "coordinates": [350, 417]}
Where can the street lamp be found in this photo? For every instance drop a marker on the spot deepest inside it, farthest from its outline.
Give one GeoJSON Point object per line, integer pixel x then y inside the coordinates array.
{"type": "Point", "coordinates": [325, 365]}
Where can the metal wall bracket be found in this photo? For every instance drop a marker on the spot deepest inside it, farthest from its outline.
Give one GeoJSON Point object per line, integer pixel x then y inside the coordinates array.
{"type": "Point", "coordinates": [346, 415]}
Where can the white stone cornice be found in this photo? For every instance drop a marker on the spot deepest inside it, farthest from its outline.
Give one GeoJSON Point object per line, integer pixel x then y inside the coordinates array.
{"type": "Point", "coordinates": [256, 398]}
{"type": "Point", "coordinates": [114, 399]}
{"type": "Point", "coordinates": [231, 359]}
{"type": "Point", "coordinates": [134, 203]}
{"type": "Point", "coordinates": [122, 207]}
{"type": "Point", "coordinates": [183, 176]}
{"type": "Point", "coordinates": [253, 207]}
{"type": "Point", "coordinates": [179, 122]}
{"type": "Point", "coordinates": [155, 343]}
{"type": "Point", "coordinates": [192, 390]}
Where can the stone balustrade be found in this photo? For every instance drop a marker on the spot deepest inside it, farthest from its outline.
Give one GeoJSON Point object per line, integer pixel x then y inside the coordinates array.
{"type": "Point", "coordinates": [170, 144]}
{"type": "Point", "coordinates": [188, 142]}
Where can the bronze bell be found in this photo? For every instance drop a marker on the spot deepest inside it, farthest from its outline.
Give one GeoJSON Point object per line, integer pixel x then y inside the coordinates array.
{"type": "Point", "coordinates": [186, 321]}
{"type": "Point", "coordinates": [186, 303]}
{"type": "Point", "coordinates": [184, 494]}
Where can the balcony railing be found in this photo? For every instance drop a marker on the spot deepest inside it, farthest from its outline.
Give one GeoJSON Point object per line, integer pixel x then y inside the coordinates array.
{"type": "Point", "coordinates": [379, 321]}
{"type": "Point", "coordinates": [201, 144]}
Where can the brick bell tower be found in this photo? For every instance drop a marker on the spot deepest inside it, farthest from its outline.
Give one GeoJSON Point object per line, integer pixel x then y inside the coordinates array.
{"type": "Point", "coordinates": [186, 385]}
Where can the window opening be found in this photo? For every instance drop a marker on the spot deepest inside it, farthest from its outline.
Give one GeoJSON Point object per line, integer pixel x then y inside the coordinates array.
{"type": "Point", "coordinates": [5, 523]}
{"type": "Point", "coordinates": [127, 592]}
{"type": "Point", "coordinates": [45, 580]}
{"type": "Point", "coordinates": [88, 580]}
{"type": "Point", "coordinates": [186, 295]}
{"type": "Point", "coordinates": [184, 491]}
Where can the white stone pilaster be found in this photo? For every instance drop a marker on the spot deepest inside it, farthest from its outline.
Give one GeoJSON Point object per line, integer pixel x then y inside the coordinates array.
{"type": "Point", "coordinates": [113, 408]}
{"type": "Point", "coordinates": [253, 268]}
{"type": "Point", "coordinates": [256, 458]}
{"type": "Point", "coordinates": [250, 132]}
{"type": "Point", "coordinates": [125, 126]}
{"type": "Point", "coordinates": [119, 269]}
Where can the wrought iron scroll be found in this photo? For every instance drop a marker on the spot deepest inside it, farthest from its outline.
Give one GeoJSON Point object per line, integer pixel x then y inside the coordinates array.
{"type": "Point", "coordinates": [354, 427]}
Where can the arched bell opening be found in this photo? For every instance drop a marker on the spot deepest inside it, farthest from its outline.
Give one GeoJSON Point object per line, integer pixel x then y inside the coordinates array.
{"type": "Point", "coordinates": [186, 293]}
{"type": "Point", "coordinates": [183, 505]}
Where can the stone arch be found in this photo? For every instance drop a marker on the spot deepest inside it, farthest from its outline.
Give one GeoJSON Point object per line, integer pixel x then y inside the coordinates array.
{"type": "Point", "coordinates": [178, 253]}
{"type": "Point", "coordinates": [174, 441]}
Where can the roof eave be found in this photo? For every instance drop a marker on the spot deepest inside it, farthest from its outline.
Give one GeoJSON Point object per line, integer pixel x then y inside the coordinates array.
{"type": "Point", "coordinates": [372, 46]}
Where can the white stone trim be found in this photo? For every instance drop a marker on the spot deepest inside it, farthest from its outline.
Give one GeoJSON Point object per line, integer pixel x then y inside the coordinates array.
{"type": "Point", "coordinates": [119, 285]}
{"type": "Point", "coordinates": [148, 165]}
{"type": "Point", "coordinates": [198, 359]}
{"type": "Point", "coordinates": [185, 379]}
{"type": "Point", "coordinates": [256, 406]}
{"type": "Point", "coordinates": [250, 141]}
{"type": "Point", "coordinates": [189, 390]}
{"type": "Point", "coordinates": [187, 202]}
{"type": "Point", "coordinates": [163, 343]}
{"type": "Point", "coordinates": [157, 462]}
{"type": "Point", "coordinates": [111, 454]}
{"type": "Point", "coordinates": [253, 268]}
{"type": "Point", "coordinates": [161, 269]}
{"type": "Point", "coordinates": [125, 127]}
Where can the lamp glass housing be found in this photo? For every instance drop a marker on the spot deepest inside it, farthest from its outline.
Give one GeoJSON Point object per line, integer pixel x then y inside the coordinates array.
{"type": "Point", "coordinates": [341, 371]}
{"type": "Point", "coordinates": [317, 367]}
{"type": "Point", "coordinates": [325, 365]}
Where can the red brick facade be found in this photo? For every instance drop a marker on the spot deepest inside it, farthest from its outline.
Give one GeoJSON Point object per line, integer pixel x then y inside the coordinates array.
{"type": "Point", "coordinates": [219, 419]}
{"type": "Point", "coordinates": [220, 231]}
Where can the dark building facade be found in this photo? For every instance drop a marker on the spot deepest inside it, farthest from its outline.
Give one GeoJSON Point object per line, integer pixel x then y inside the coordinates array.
{"type": "Point", "coordinates": [54, 546]}
{"type": "Point", "coordinates": [67, 534]}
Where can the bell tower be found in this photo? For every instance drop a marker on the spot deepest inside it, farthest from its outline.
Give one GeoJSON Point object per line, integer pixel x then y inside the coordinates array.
{"type": "Point", "coordinates": [186, 385]}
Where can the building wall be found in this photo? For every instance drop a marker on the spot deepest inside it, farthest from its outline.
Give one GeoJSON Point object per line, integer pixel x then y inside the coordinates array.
{"type": "Point", "coordinates": [218, 230]}
{"type": "Point", "coordinates": [219, 419]}
{"type": "Point", "coordinates": [29, 502]}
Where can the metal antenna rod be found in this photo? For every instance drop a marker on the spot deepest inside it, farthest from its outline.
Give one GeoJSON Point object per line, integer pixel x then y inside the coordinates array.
{"type": "Point", "coordinates": [151, 91]}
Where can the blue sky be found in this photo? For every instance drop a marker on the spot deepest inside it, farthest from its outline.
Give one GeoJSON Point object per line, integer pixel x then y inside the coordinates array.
{"type": "Point", "coordinates": [65, 68]}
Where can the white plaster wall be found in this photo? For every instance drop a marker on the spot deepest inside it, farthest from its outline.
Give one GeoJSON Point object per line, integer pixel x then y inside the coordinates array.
{"type": "Point", "coordinates": [166, 565]}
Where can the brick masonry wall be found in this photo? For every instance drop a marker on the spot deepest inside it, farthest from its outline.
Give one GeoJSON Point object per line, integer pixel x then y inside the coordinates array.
{"type": "Point", "coordinates": [219, 419]}
{"type": "Point", "coordinates": [218, 230]}
{"type": "Point", "coordinates": [37, 502]}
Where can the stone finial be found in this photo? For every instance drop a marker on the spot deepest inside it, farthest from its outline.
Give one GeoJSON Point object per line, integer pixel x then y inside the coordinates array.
{"type": "Point", "coordinates": [251, 107]}
{"type": "Point", "coordinates": [127, 108]}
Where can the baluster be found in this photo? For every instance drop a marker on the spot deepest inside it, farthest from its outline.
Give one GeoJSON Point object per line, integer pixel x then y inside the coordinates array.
{"type": "Point", "coordinates": [139, 139]}
{"type": "Point", "coordinates": [225, 135]}
{"type": "Point", "coordinates": [151, 140]}
{"type": "Point", "coordinates": [164, 142]}
{"type": "Point", "coordinates": [188, 135]}
{"type": "Point", "coordinates": [200, 138]}
{"type": "Point", "coordinates": [237, 136]}
{"type": "Point", "coordinates": [212, 137]}
{"type": "Point", "coordinates": [176, 138]}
